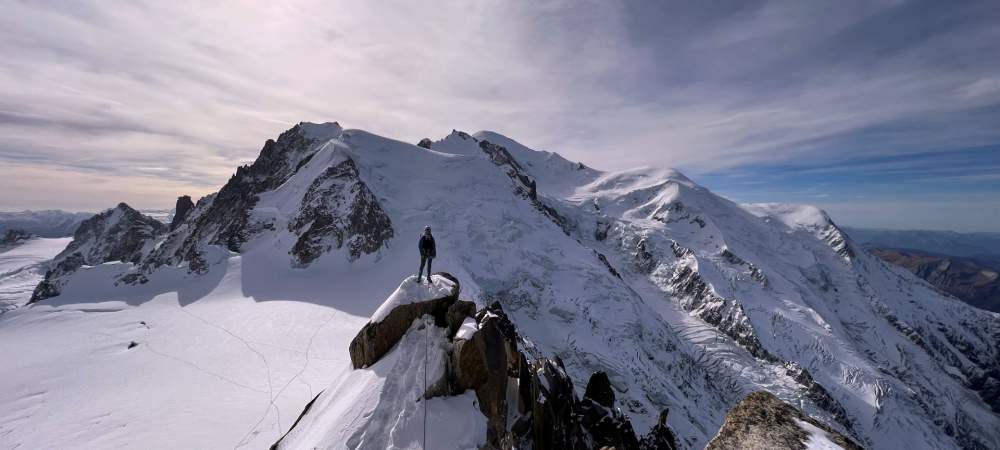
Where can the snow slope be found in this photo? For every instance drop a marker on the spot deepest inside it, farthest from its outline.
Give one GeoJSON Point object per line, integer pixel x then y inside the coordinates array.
{"type": "Point", "coordinates": [382, 406]}
{"type": "Point", "coordinates": [22, 267]}
{"type": "Point", "coordinates": [686, 300]}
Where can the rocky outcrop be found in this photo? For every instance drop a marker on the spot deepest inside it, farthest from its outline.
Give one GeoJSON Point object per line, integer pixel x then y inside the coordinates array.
{"type": "Point", "coordinates": [527, 402]}
{"type": "Point", "coordinates": [224, 218]}
{"type": "Point", "coordinates": [763, 422]}
{"type": "Point", "coordinates": [13, 238]}
{"type": "Point", "coordinates": [376, 338]}
{"type": "Point", "coordinates": [531, 402]}
{"type": "Point", "coordinates": [524, 184]}
{"type": "Point", "coordinates": [181, 211]}
{"type": "Point", "coordinates": [425, 143]}
{"type": "Point", "coordinates": [339, 210]}
{"type": "Point", "coordinates": [118, 234]}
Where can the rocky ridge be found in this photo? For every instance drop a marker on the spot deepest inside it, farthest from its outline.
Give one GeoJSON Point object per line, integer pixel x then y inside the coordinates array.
{"type": "Point", "coordinates": [528, 402]}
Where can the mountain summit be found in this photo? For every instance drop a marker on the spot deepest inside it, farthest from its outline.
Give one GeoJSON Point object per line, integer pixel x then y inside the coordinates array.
{"type": "Point", "coordinates": [684, 300]}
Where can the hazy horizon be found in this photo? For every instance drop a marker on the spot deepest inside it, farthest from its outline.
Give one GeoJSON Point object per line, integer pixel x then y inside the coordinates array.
{"type": "Point", "coordinates": [882, 113]}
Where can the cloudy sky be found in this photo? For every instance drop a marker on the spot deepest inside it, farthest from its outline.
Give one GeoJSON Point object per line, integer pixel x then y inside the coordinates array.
{"type": "Point", "coordinates": [885, 113]}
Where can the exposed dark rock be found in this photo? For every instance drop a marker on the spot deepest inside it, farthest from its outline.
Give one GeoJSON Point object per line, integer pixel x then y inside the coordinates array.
{"type": "Point", "coordinates": [727, 315]}
{"type": "Point", "coordinates": [376, 338]}
{"type": "Point", "coordinates": [132, 345]}
{"type": "Point", "coordinates": [752, 270]}
{"type": "Point", "coordinates": [599, 390]}
{"type": "Point", "coordinates": [660, 437]}
{"type": "Point", "coordinates": [305, 411]}
{"type": "Point", "coordinates": [118, 234]}
{"type": "Point", "coordinates": [181, 211]}
{"type": "Point", "coordinates": [606, 424]}
{"type": "Point", "coordinates": [457, 313]}
{"type": "Point", "coordinates": [604, 259]}
{"type": "Point", "coordinates": [837, 240]}
{"type": "Point", "coordinates": [545, 413]}
{"type": "Point", "coordinates": [425, 143]}
{"type": "Point", "coordinates": [601, 230]}
{"type": "Point", "coordinates": [761, 421]}
{"type": "Point", "coordinates": [224, 218]}
{"type": "Point", "coordinates": [527, 403]}
{"type": "Point", "coordinates": [338, 209]}
{"type": "Point", "coordinates": [12, 238]}
{"type": "Point", "coordinates": [524, 184]}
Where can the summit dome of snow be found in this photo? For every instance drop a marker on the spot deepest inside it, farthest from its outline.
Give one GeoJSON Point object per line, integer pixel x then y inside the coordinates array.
{"type": "Point", "coordinates": [686, 301]}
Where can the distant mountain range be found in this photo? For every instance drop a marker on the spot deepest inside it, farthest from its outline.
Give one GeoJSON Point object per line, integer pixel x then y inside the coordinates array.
{"type": "Point", "coordinates": [47, 223]}
{"type": "Point", "coordinates": [53, 223]}
{"type": "Point", "coordinates": [974, 280]}
{"type": "Point", "coordinates": [939, 242]}
{"type": "Point", "coordinates": [965, 265]}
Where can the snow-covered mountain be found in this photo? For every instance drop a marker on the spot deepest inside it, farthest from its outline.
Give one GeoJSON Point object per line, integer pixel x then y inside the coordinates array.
{"type": "Point", "coordinates": [241, 311]}
{"type": "Point", "coordinates": [51, 223]}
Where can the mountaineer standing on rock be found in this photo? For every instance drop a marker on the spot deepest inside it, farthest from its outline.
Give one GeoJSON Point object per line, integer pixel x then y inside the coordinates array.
{"type": "Point", "coordinates": [427, 253]}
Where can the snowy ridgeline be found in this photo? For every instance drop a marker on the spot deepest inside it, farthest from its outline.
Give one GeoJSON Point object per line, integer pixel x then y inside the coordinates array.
{"type": "Point", "coordinates": [234, 316]}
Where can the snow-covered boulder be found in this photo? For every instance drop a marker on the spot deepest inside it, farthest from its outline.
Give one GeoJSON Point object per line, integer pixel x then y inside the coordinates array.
{"type": "Point", "coordinates": [762, 421]}
{"type": "Point", "coordinates": [410, 301]}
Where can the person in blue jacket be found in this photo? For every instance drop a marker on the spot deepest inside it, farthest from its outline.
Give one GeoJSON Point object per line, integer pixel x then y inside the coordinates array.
{"type": "Point", "coordinates": [427, 253]}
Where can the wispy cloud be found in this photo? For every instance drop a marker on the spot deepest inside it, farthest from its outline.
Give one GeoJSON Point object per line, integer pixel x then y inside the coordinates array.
{"type": "Point", "coordinates": [192, 89]}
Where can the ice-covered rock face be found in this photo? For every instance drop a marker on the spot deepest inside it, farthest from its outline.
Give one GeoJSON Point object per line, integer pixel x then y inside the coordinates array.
{"type": "Point", "coordinates": [118, 234]}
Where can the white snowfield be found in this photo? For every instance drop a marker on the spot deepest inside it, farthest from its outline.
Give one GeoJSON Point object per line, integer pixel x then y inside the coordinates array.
{"type": "Point", "coordinates": [23, 266]}
{"type": "Point", "coordinates": [628, 283]}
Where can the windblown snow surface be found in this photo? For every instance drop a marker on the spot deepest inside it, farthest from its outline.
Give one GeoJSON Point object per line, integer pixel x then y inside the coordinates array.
{"type": "Point", "coordinates": [686, 300]}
